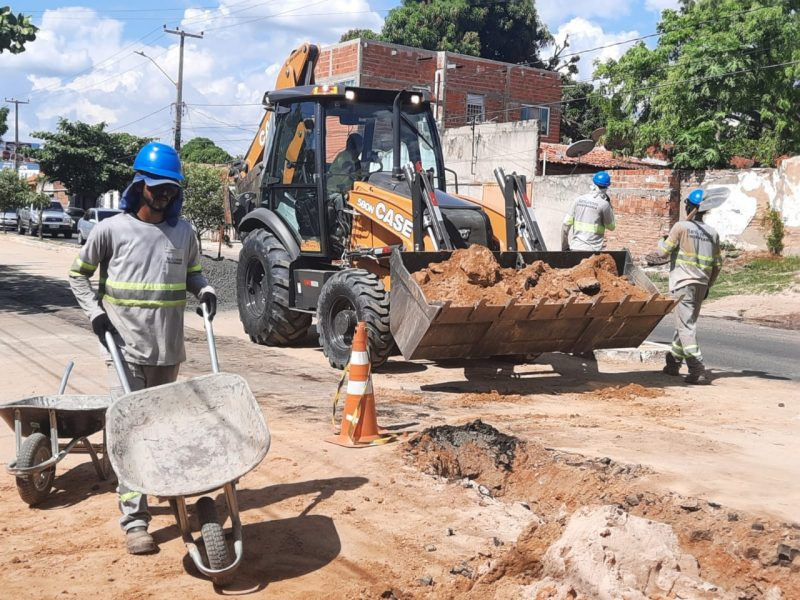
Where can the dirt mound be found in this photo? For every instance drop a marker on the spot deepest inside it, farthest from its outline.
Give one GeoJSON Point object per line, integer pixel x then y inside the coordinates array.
{"type": "Point", "coordinates": [471, 275]}
{"type": "Point", "coordinates": [632, 391]}
{"type": "Point", "coordinates": [475, 450]}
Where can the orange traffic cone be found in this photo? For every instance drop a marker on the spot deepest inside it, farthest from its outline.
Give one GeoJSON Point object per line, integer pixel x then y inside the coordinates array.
{"type": "Point", "coordinates": [359, 426]}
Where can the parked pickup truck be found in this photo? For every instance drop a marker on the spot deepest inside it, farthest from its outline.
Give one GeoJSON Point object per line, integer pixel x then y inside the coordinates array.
{"type": "Point", "coordinates": [54, 221]}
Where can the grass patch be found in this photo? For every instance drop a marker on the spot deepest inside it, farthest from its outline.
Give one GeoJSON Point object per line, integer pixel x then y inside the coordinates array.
{"type": "Point", "coordinates": [759, 276]}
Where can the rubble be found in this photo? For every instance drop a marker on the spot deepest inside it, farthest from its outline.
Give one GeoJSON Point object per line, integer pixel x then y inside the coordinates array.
{"type": "Point", "coordinates": [471, 275]}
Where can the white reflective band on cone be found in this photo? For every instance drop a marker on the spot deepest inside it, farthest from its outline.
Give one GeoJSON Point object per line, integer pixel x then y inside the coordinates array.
{"type": "Point", "coordinates": [359, 358]}
{"type": "Point", "coordinates": [358, 388]}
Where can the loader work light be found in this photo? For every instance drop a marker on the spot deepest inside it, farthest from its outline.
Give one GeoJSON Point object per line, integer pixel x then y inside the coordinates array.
{"type": "Point", "coordinates": [415, 99]}
{"type": "Point", "coordinates": [350, 95]}
{"type": "Point", "coordinates": [320, 90]}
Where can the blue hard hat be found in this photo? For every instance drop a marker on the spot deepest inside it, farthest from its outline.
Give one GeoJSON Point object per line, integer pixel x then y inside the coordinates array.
{"type": "Point", "coordinates": [602, 179]}
{"type": "Point", "coordinates": [159, 159]}
{"type": "Point", "coordinates": [696, 197]}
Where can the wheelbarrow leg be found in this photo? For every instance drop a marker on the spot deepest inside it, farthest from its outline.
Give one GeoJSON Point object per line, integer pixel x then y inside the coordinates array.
{"type": "Point", "coordinates": [101, 464]}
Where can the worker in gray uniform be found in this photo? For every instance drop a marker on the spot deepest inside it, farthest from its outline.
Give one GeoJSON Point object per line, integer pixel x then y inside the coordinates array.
{"type": "Point", "coordinates": [589, 218]}
{"type": "Point", "coordinates": [695, 263]}
{"type": "Point", "coordinates": [148, 259]}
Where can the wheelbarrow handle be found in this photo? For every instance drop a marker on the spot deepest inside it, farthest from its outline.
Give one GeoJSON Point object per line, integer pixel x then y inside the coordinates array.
{"type": "Point", "coordinates": [212, 344]}
{"type": "Point", "coordinates": [65, 377]}
{"type": "Point", "coordinates": [115, 356]}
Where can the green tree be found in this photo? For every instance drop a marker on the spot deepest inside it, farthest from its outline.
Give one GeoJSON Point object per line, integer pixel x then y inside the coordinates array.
{"type": "Point", "coordinates": [3, 118]}
{"type": "Point", "coordinates": [581, 112]}
{"type": "Point", "coordinates": [39, 201]}
{"type": "Point", "coordinates": [364, 34]}
{"type": "Point", "coordinates": [14, 192]}
{"type": "Point", "coordinates": [203, 196]}
{"type": "Point", "coordinates": [203, 150]}
{"type": "Point", "coordinates": [87, 159]}
{"type": "Point", "coordinates": [507, 31]}
{"type": "Point", "coordinates": [722, 81]}
{"type": "Point", "coordinates": [15, 31]}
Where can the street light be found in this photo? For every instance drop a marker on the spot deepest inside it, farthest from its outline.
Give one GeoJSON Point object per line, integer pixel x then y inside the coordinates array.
{"type": "Point", "coordinates": [172, 81]}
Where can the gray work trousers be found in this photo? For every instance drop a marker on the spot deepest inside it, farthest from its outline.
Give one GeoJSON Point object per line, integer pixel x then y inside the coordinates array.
{"type": "Point", "coordinates": [684, 342]}
{"type": "Point", "coordinates": [132, 504]}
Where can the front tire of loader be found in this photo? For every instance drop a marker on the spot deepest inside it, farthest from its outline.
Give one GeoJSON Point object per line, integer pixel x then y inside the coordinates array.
{"type": "Point", "coordinates": [262, 285]}
{"type": "Point", "coordinates": [348, 297]}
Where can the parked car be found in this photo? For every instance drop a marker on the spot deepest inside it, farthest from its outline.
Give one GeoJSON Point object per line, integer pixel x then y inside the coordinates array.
{"type": "Point", "coordinates": [8, 219]}
{"type": "Point", "coordinates": [54, 220]}
{"type": "Point", "coordinates": [92, 217]}
{"type": "Point", "coordinates": [75, 214]}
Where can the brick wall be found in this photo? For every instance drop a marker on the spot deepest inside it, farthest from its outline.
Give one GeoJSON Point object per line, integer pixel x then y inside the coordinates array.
{"type": "Point", "coordinates": [506, 88]}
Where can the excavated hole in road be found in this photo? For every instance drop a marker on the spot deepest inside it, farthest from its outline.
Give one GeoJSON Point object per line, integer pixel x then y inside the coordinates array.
{"type": "Point", "coordinates": [746, 555]}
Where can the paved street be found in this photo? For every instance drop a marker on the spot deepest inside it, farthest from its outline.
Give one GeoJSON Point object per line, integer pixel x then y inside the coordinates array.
{"type": "Point", "coordinates": [737, 346]}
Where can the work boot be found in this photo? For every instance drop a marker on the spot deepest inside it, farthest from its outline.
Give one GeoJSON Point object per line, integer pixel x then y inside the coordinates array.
{"type": "Point", "coordinates": [673, 366]}
{"type": "Point", "coordinates": [139, 541]}
{"type": "Point", "coordinates": [697, 373]}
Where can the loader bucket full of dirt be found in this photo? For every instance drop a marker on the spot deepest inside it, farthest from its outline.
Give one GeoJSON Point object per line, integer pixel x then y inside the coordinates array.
{"type": "Point", "coordinates": [477, 303]}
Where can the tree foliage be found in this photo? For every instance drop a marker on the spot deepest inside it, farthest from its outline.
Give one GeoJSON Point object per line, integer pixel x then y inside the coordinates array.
{"type": "Point", "coordinates": [582, 112]}
{"type": "Point", "coordinates": [364, 34]}
{"type": "Point", "coordinates": [14, 192]}
{"type": "Point", "coordinates": [722, 81]}
{"type": "Point", "coordinates": [509, 31]}
{"type": "Point", "coordinates": [15, 31]}
{"type": "Point", "coordinates": [203, 196]}
{"type": "Point", "coordinates": [3, 119]}
{"type": "Point", "coordinates": [203, 150]}
{"type": "Point", "coordinates": [87, 159]}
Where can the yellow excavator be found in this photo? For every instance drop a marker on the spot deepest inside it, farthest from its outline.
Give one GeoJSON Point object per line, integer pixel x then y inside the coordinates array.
{"type": "Point", "coordinates": [342, 195]}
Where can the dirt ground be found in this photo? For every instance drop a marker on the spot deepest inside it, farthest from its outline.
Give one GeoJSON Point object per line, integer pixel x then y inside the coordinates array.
{"type": "Point", "coordinates": [461, 512]}
{"type": "Point", "coordinates": [774, 310]}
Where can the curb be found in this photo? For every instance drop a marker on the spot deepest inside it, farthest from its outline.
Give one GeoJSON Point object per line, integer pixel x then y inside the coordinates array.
{"type": "Point", "coordinates": [647, 352]}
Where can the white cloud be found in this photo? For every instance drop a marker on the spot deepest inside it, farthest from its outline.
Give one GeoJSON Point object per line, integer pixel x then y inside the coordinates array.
{"type": "Point", "coordinates": [659, 5]}
{"type": "Point", "coordinates": [82, 66]}
{"type": "Point", "coordinates": [584, 35]}
{"type": "Point", "coordinates": [555, 12]}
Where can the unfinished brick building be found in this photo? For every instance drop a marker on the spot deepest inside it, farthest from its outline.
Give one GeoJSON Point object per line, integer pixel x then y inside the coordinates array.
{"type": "Point", "coordinates": [463, 87]}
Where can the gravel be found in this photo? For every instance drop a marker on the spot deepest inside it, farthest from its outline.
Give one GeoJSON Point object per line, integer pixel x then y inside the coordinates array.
{"type": "Point", "coordinates": [221, 274]}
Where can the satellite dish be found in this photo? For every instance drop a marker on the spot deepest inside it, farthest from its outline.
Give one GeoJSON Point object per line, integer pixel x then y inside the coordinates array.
{"type": "Point", "coordinates": [580, 148]}
{"type": "Point", "coordinates": [597, 134]}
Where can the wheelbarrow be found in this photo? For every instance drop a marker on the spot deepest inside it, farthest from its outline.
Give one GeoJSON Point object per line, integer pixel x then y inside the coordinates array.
{"type": "Point", "coordinates": [42, 420]}
{"type": "Point", "coordinates": [188, 439]}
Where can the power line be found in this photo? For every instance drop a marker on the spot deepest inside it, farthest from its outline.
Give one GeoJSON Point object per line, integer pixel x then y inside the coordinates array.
{"type": "Point", "coordinates": [155, 112]}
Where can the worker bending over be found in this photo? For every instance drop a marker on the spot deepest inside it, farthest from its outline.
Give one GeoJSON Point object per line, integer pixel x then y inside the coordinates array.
{"type": "Point", "coordinates": [148, 258]}
{"type": "Point", "coordinates": [589, 218]}
{"type": "Point", "coordinates": [695, 264]}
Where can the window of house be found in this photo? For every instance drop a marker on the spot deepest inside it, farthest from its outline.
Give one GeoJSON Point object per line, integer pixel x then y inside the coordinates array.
{"type": "Point", "coordinates": [475, 108]}
{"type": "Point", "coordinates": [542, 113]}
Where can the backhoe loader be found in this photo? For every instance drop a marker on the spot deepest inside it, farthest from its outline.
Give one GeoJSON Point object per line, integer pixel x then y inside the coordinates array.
{"type": "Point", "coordinates": [342, 195]}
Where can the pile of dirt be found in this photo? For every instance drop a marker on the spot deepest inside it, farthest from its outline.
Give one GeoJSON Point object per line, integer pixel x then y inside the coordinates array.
{"type": "Point", "coordinates": [475, 451]}
{"type": "Point", "coordinates": [632, 391]}
{"type": "Point", "coordinates": [473, 274]}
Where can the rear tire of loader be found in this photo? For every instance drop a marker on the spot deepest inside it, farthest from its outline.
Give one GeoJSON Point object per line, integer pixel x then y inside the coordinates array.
{"type": "Point", "coordinates": [262, 286]}
{"type": "Point", "coordinates": [348, 297]}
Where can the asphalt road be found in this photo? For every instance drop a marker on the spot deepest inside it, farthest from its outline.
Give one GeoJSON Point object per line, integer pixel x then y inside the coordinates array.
{"type": "Point", "coordinates": [736, 346]}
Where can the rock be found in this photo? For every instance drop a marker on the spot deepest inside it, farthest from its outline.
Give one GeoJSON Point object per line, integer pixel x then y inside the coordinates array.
{"type": "Point", "coordinates": [632, 500]}
{"type": "Point", "coordinates": [449, 531]}
{"type": "Point", "coordinates": [426, 580]}
{"type": "Point", "coordinates": [389, 594]}
{"type": "Point", "coordinates": [714, 504]}
{"type": "Point", "coordinates": [484, 491]}
{"type": "Point", "coordinates": [588, 285]}
{"type": "Point", "coordinates": [430, 548]}
{"type": "Point", "coordinates": [752, 553]}
{"type": "Point", "coordinates": [732, 516]}
{"type": "Point", "coordinates": [757, 526]}
{"type": "Point", "coordinates": [787, 554]}
{"type": "Point", "coordinates": [690, 504]}
{"type": "Point", "coordinates": [525, 505]}
{"type": "Point", "coordinates": [781, 405]}
{"type": "Point", "coordinates": [462, 569]}
{"type": "Point", "coordinates": [497, 541]}
{"type": "Point", "coordinates": [701, 535]}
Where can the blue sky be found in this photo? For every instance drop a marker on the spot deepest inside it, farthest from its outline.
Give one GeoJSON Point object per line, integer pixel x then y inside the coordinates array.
{"type": "Point", "coordinates": [83, 64]}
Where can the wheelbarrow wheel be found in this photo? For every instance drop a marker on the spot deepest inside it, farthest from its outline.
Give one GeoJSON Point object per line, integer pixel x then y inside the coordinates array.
{"type": "Point", "coordinates": [35, 488]}
{"type": "Point", "coordinates": [213, 534]}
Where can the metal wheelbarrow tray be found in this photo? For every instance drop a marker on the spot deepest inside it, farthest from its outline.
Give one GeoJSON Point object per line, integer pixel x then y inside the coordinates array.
{"type": "Point", "coordinates": [42, 420]}
{"type": "Point", "coordinates": [187, 439]}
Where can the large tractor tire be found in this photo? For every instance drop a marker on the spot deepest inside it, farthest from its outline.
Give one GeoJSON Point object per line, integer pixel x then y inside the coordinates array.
{"type": "Point", "coordinates": [262, 282]}
{"type": "Point", "coordinates": [348, 297]}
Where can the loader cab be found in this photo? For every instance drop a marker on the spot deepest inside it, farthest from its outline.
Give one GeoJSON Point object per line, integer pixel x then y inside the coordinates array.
{"type": "Point", "coordinates": [323, 139]}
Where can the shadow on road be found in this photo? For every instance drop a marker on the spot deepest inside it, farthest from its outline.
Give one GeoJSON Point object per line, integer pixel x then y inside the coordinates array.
{"type": "Point", "coordinates": [23, 293]}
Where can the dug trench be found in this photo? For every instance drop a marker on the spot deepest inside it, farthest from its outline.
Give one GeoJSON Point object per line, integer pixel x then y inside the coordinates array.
{"type": "Point", "coordinates": [595, 530]}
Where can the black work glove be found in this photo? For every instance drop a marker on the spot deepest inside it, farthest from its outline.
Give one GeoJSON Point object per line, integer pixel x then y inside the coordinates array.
{"type": "Point", "coordinates": [210, 300]}
{"type": "Point", "coordinates": [100, 324]}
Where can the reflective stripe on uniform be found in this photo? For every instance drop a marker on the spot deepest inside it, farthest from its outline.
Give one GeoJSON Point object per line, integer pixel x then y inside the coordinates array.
{"type": "Point", "coordinates": [80, 268]}
{"type": "Point", "coordinates": [195, 268]}
{"type": "Point", "coordinates": [143, 303]}
{"type": "Point", "coordinates": [143, 294]}
{"type": "Point", "coordinates": [569, 220]}
{"type": "Point", "coordinates": [129, 496]}
{"type": "Point", "coordinates": [590, 227]}
{"type": "Point", "coordinates": [136, 285]}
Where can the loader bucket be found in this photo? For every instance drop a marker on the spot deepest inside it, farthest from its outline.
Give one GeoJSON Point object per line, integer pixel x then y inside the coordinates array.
{"type": "Point", "coordinates": [440, 330]}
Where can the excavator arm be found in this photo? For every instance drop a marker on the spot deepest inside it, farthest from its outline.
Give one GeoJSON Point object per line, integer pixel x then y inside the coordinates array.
{"type": "Point", "coordinates": [297, 70]}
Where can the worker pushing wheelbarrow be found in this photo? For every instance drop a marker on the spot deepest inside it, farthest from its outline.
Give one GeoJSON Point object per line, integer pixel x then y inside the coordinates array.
{"type": "Point", "coordinates": [188, 439]}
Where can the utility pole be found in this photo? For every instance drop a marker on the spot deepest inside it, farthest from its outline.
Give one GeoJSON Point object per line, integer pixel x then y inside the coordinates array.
{"type": "Point", "coordinates": [179, 85]}
{"type": "Point", "coordinates": [16, 129]}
